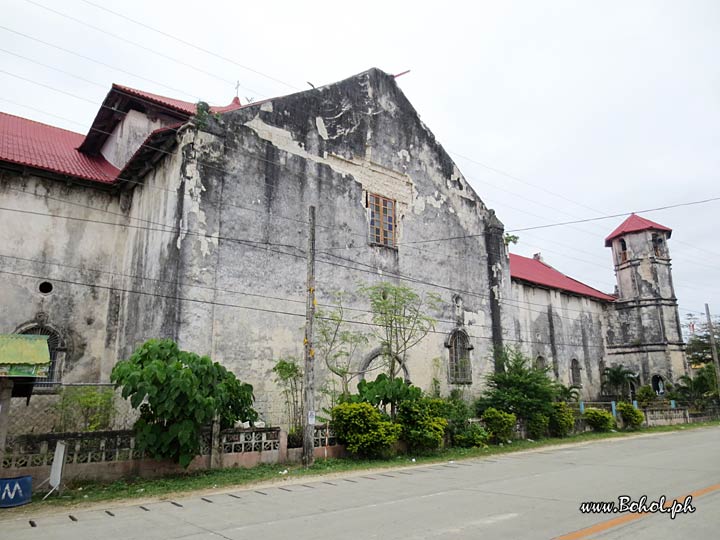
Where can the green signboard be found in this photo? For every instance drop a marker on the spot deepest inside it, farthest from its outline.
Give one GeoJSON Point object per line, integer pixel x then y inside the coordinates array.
{"type": "Point", "coordinates": [24, 356]}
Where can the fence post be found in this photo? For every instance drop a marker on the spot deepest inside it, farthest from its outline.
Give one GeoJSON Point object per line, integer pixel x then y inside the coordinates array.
{"type": "Point", "coordinates": [283, 446]}
{"type": "Point", "coordinates": [582, 407]}
{"type": "Point", "coordinates": [614, 410]}
{"type": "Point", "coordinates": [215, 450]}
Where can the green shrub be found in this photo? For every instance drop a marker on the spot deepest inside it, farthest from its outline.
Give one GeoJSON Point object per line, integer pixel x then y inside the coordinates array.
{"type": "Point", "coordinates": [501, 425]}
{"type": "Point", "coordinates": [85, 409]}
{"type": "Point", "coordinates": [178, 393]}
{"type": "Point", "coordinates": [471, 435]}
{"type": "Point", "coordinates": [362, 429]}
{"type": "Point", "coordinates": [646, 396]}
{"type": "Point", "coordinates": [599, 419]}
{"type": "Point", "coordinates": [537, 426]}
{"type": "Point", "coordinates": [422, 427]}
{"type": "Point", "coordinates": [562, 420]}
{"type": "Point", "coordinates": [520, 388]}
{"type": "Point", "coordinates": [631, 417]}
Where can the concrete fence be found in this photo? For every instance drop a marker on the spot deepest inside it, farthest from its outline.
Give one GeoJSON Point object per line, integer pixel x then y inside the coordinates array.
{"type": "Point", "coordinates": [112, 455]}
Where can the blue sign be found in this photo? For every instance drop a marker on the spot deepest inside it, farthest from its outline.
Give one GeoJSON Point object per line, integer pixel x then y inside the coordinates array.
{"type": "Point", "coordinates": [15, 491]}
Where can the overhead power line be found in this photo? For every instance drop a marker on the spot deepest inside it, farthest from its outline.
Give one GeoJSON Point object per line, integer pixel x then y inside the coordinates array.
{"type": "Point", "coordinates": [189, 44]}
{"type": "Point", "coordinates": [562, 223]}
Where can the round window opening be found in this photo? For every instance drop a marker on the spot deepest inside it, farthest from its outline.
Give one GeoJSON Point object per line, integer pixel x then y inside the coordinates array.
{"type": "Point", "coordinates": [46, 287]}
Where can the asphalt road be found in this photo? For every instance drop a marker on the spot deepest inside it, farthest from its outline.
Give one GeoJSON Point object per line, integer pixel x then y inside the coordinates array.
{"type": "Point", "coordinates": [525, 495]}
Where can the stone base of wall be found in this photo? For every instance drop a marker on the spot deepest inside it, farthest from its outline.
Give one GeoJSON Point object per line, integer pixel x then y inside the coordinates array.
{"type": "Point", "coordinates": [666, 417]}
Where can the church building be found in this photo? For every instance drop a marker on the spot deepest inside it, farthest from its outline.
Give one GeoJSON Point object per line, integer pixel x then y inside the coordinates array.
{"type": "Point", "coordinates": [171, 219]}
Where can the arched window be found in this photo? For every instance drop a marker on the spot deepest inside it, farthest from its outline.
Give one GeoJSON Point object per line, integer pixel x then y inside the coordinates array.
{"type": "Point", "coordinates": [540, 363]}
{"type": "Point", "coordinates": [575, 375]}
{"type": "Point", "coordinates": [623, 251]}
{"type": "Point", "coordinates": [56, 346]}
{"type": "Point", "coordinates": [658, 245]}
{"type": "Point", "coordinates": [459, 368]}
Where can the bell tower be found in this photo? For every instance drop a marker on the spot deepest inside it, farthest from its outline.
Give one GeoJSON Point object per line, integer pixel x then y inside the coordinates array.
{"type": "Point", "coordinates": [644, 332]}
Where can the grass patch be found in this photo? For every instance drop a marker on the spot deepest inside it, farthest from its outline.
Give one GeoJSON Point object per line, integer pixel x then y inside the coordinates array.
{"type": "Point", "coordinates": [87, 492]}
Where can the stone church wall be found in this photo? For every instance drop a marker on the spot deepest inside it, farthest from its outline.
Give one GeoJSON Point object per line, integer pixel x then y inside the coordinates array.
{"type": "Point", "coordinates": [560, 327]}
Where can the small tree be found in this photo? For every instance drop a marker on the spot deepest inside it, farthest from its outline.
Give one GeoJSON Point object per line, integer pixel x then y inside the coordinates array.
{"type": "Point", "coordinates": [699, 349]}
{"type": "Point", "coordinates": [289, 376]}
{"type": "Point", "coordinates": [401, 321]}
{"type": "Point", "coordinates": [697, 391]}
{"type": "Point", "coordinates": [336, 345]}
{"type": "Point", "coordinates": [521, 389]}
{"type": "Point", "coordinates": [178, 393]}
{"type": "Point", "coordinates": [616, 381]}
{"type": "Point", "coordinates": [85, 408]}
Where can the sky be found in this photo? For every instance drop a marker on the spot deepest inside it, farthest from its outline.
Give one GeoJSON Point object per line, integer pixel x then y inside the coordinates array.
{"type": "Point", "coordinates": [554, 111]}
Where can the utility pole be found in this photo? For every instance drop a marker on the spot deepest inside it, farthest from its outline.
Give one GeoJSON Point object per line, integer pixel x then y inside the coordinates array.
{"type": "Point", "coordinates": [713, 346]}
{"type": "Point", "coordinates": [309, 387]}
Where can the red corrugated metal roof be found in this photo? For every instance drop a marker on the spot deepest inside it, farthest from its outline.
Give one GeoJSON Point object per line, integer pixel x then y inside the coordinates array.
{"type": "Point", "coordinates": [535, 271]}
{"type": "Point", "coordinates": [178, 105]}
{"type": "Point", "coordinates": [49, 148]}
{"type": "Point", "coordinates": [635, 223]}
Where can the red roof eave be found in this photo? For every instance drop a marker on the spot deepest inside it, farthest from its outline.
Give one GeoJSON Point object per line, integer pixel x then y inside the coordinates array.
{"type": "Point", "coordinates": [538, 273]}
{"type": "Point", "coordinates": [52, 149]}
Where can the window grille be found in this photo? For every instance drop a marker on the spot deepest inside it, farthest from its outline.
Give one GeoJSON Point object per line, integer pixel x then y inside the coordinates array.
{"type": "Point", "coordinates": [459, 368]}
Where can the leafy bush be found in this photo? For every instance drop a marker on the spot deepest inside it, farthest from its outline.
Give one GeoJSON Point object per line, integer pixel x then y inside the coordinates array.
{"type": "Point", "coordinates": [386, 391]}
{"type": "Point", "coordinates": [646, 396]}
{"type": "Point", "coordinates": [84, 409]}
{"type": "Point", "coordinates": [562, 420]}
{"type": "Point", "coordinates": [361, 427]}
{"type": "Point", "coordinates": [422, 427]}
{"type": "Point", "coordinates": [537, 426]}
{"type": "Point", "coordinates": [178, 393]}
{"type": "Point", "coordinates": [599, 419]}
{"type": "Point", "coordinates": [520, 389]}
{"type": "Point", "coordinates": [471, 435]}
{"type": "Point", "coordinates": [631, 417]}
{"type": "Point", "coordinates": [501, 425]}
{"type": "Point", "coordinates": [295, 438]}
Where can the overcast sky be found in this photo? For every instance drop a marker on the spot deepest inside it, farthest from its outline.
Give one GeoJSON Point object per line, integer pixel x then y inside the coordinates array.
{"type": "Point", "coordinates": [553, 110]}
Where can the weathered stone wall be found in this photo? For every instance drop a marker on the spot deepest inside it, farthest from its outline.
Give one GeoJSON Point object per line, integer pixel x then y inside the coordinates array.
{"type": "Point", "coordinates": [328, 148]}
{"type": "Point", "coordinates": [68, 253]}
{"type": "Point", "coordinates": [561, 327]}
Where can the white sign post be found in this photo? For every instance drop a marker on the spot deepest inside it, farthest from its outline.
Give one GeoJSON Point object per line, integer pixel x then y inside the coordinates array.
{"type": "Point", "coordinates": [56, 470]}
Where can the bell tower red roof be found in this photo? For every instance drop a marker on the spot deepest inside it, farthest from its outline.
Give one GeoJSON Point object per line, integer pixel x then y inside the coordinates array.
{"type": "Point", "coordinates": [635, 223]}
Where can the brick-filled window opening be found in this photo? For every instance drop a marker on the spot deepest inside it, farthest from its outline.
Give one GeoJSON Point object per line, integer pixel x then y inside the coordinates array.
{"type": "Point", "coordinates": [459, 369]}
{"type": "Point", "coordinates": [382, 220]}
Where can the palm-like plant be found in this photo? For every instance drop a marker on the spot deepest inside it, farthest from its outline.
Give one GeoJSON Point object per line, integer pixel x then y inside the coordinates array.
{"type": "Point", "coordinates": [616, 380]}
{"type": "Point", "coordinates": [567, 393]}
{"type": "Point", "coordinates": [694, 390]}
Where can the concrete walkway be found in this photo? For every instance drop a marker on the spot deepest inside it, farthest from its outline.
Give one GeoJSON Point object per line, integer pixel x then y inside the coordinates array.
{"type": "Point", "coordinates": [526, 495]}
